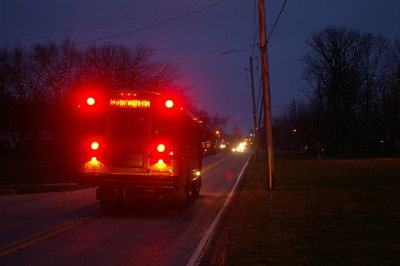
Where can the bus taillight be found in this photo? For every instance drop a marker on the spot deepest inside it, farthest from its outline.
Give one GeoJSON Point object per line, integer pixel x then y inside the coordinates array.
{"type": "Point", "coordinates": [161, 148]}
{"type": "Point", "coordinates": [95, 145]}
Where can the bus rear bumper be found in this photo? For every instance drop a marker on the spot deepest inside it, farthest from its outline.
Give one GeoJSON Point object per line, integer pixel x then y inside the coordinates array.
{"type": "Point", "coordinates": [130, 181]}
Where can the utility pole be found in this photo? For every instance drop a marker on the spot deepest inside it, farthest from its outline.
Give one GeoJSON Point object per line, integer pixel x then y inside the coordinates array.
{"type": "Point", "coordinates": [254, 111]}
{"type": "Point", "coordinates": [267, 97]}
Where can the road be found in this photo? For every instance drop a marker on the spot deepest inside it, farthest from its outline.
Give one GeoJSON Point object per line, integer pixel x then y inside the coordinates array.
{"type": "Point", "coordinates": [70, 228]}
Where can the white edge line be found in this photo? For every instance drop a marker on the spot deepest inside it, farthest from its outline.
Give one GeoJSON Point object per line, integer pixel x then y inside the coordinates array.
{"type": "Point", "coordinates": [199, 252]}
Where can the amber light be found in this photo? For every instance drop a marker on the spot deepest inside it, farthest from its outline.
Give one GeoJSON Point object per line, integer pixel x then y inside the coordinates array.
{"type": "Point", "coordinates": [130, 103]}
{"type": "Point", "coordinates": [161, 148]}
{"type": "Point", "coordinates": [90, 101]}
{"type": "Point", "coordinates": [95, 145]}
{"type": "Point", "coordinates": [127, 94]}
{"type": "Point", "coordinates": [169, 104]}
{"type": "Point", "coordinates": [160, 161]}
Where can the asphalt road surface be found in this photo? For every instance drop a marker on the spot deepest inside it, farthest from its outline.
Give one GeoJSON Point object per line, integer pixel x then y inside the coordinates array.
{"type": "Point", "coordinates": [70, 228]}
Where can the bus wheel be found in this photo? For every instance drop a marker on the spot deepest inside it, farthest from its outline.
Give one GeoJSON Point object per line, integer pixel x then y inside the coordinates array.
{"type": "Point", "coordinates": [121, 197]}
{"type": "Point", "coordinates": [180, 198]}
{"type": "Point", "coordinates": [195, 191]}
{"type": "Point", "coordinates": [106, 204]}
{"type": "Point", "coordinates": [118, 203]}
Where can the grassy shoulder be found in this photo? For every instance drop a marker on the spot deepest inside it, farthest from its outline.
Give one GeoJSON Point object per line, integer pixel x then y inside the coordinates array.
{"type": "Point", "coordinates": [323, 212]}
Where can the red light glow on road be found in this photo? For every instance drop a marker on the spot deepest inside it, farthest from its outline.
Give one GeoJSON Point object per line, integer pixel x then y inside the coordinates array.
{"type": "Point", "coordinates": [228, 175]}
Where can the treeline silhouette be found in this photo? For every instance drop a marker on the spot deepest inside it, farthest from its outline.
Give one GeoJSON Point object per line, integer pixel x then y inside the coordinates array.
{"type": "Point", "coordinates": [352, 98]}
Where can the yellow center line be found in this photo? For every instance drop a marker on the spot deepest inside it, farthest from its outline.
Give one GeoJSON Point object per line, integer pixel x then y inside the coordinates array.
{"type": "Point", "coordinates": [16, 242]}
{"type": "Point", "coordinates": [38, 239]}
{"type": "Point", "coordinates": [215, 164]}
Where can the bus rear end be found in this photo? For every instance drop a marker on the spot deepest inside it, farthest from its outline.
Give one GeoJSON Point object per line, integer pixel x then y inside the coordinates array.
{"type": "Point", "coordinates": [131, 145]}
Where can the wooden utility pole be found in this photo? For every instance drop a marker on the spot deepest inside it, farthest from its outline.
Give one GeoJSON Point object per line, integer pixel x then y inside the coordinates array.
{"type": "Point", "coordinates": [254, 112]}
{"type": "Point", "coordinates": [267, 97]}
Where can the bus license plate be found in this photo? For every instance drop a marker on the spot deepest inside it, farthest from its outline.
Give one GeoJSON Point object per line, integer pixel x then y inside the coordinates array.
{"type": "Point", "coordinates": [94, 166]}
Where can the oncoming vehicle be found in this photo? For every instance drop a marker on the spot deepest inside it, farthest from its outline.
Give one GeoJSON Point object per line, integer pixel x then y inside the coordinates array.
{"type": "Point", "coordinates": [135, 143]}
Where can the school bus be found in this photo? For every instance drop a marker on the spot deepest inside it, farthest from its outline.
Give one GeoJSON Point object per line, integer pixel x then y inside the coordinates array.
{"type": "Point", "coordinates": [137, 143]}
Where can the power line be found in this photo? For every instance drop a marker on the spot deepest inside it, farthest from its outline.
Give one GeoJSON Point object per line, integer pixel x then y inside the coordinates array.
{"type": "Point", "coordinates": [277, 20]}
{"type": "Point", "coordinates": [259, 93]}
{"type": "Point", "coordinates": [255, 25]}
{"type": "Point", "coordinates": [247, 79]}
{"type": "Point", "coordinates": [238, 50]}
{"type": "Point", "coordinates": [97, 25]}
{"type": "Point", "coordinates": [144, 28]}
{"type": "Point", "coordinates": [276, 104]}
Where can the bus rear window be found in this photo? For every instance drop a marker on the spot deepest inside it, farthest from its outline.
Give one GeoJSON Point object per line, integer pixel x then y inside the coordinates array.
{"type": "Point", "coordinates": [162, 126]}
{"type": "Point", "coordinates": [95, 125]}
{"type": "Point", "coordinates": [129, 127]}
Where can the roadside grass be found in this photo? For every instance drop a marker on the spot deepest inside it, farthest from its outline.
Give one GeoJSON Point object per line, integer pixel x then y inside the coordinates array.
{"type": "Point", "coordinates": [323, 212]}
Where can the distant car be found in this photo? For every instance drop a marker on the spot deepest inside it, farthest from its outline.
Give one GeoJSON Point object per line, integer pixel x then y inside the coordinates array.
{"type": "Point", "coordinates": [239, 148]}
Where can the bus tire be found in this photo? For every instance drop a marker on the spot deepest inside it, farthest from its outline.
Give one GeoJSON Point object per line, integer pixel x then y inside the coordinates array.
{"type": "Point", "coordinates": [195, 191]}
{"type": "Point", "coordinates": [121, 197]}
{"type": "Point", "coordinates": [195, 188]}
{"type": "Point", "coordinates": [180, 198]}
{"type": "Point", "coordinates": [106, 204]}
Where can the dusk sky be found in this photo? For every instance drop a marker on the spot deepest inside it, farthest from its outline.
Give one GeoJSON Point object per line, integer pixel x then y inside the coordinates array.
{"type": "Point", "coordinates": [200, 30]}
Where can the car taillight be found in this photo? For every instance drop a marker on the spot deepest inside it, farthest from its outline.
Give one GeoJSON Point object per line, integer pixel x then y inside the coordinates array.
{"type": "Point", "coordinates": [95, 145]}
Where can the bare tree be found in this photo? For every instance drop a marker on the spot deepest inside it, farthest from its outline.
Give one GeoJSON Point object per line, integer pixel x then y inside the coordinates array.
{"type": "Point", "coordinates": [27, 84]}
{"type": "Point", "coordinates": [118, 67]}
{"type": "Point", "coordinates": [389, 101]}
{"type": "Point", "coordinates": [373, 66]}
{"type": "Point", "coordinates": [333, 65]}
{"type": "Point", "coordinates": [62, 69]}
{"type": "Point", "coordinates": [210, 124]}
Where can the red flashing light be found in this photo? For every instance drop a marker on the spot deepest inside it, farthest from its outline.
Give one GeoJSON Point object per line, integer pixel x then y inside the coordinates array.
{"type": "Point", "coordinates": [90, 101]}
{"type": "Point", "coordinates": [169, 104]}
